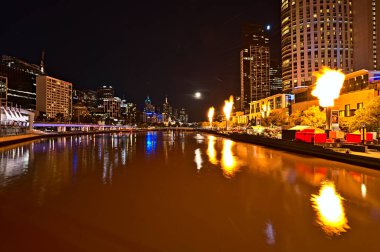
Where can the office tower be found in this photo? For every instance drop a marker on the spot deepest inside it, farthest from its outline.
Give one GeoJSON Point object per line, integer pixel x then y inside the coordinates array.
{"type": "Point", "coordinates": [21, 77]}
{"type": "Point", "coordinates": [275, 79]}
{"type": "Point", "coordinates": [3, 89]}
{"type": "Point", "coordinates": [366, 25]}
{"type": "Point", "coordinates": [111, 107]}
{"type": "Point", "coordinates": [103, 93]}
{"type": "Point", "coordinates": [54, 97]}
{"type": "Point", "coordinates": [254, 64]}
{"type": "Point", "coordinates": [314, 34]}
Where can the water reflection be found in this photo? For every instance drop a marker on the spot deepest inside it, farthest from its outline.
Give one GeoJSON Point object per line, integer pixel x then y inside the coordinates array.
{"type": "Point", "coordinates": [229, 162]}
{"type": "Point", "coordinates": [211, 152]}
{"type": "Point", "coordinates": [198, 159]}
{"type": "Point", "coordinates": [330, 210]}
{"type": "Point", "coordinates": [151, 142]}
{"type": "Point", "coordinates": [270, 233]}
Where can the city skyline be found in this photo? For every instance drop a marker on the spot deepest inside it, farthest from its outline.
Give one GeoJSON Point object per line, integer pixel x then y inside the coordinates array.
{"type": "Point", "coordinates": [179, 50]}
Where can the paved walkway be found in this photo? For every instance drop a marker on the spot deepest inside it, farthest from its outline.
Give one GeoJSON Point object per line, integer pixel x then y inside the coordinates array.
{"type": "Point", "coordinates": [17, 137]}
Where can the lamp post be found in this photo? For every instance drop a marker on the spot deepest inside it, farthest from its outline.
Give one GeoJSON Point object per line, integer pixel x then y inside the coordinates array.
{"type": "Point", "coordinates": [363, 133]}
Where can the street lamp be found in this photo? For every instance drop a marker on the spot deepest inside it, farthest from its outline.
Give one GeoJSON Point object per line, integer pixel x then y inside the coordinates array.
{"type": "Point", "coordinates": [363, 132]}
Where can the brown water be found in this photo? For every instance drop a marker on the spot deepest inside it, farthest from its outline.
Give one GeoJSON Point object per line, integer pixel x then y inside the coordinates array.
{"type": "Point", "coordinates": [175, 191]}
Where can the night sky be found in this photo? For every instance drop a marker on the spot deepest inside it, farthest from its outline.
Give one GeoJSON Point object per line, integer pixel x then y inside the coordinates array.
{"type": "Point", "coordinates": [138, 47]}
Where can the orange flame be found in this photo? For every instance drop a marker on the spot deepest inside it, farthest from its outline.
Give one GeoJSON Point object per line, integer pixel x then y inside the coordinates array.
{"type": "Point", "coordinates": [228, 104]}
{"type": "Point", "coordinates": [328, 86]}
{"type": "Point", "coordinates": [211, 115]}
{"type": "Point", "coordinates": [229, 162]}
{"type": "Point", "coordinates": [330, 210]}
{"type": "Point", "coordinates": [211, 152]}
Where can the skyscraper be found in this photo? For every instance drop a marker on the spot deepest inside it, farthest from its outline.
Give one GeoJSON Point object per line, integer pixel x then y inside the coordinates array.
{"type": "Point", "coordinates": [254, 64]}
{"type": "Point", "coordinates": [366, 34]}
{"type": "Point", "coordinates": [21, 76]}
{"type": "Point", "coordinates": [314, 34]}
{"type": "Point", "coordinates": [54, 97]}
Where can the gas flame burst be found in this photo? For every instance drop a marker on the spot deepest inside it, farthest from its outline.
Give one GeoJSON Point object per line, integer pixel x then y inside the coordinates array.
{"type": "Point", "coordinates": [228, 104]}
{"type": "Point", "coordinates": [328, 86]}
{"type": "Point", "coordinates": [211, 115]}
{"type": "Point", "coordinates": [330, 210]}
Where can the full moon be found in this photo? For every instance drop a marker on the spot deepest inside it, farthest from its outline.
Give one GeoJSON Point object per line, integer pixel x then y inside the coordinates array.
{"type": "Point", "coordinates": [197, 95]}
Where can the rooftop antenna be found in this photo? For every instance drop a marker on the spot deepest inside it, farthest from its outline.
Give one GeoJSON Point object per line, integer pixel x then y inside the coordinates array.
{"type": "Point", "coordinates": [42, 65]}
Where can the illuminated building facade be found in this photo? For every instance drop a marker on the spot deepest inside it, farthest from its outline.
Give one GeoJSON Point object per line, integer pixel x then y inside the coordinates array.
{"type": "Point", "coordinates": [275, 79]}
{"type": "Point", "coordinates": [21, 77]}
{"type": "Point", "coordinates": [366, 25]}
{"type": "Point", "coordinates": [254, 65]}
{"type": "Point", "coordinates": [359, 88]}
{"type": "Point", "coordinates": [104, 92]}
{"type": "Point", "coordinates": [3, 89]}
{"type": "Point", "coordinates": [54, 97]}
{"type": "Point", "coordinates": [262, 108]}
{"type": "Point", "coordinates": [314, 34]}
{"type": "Point", "coordinates": [111, 107]}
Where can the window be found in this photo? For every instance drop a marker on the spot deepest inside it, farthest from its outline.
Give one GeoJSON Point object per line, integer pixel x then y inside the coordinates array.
{"type": "Point", "coordinates": [347, 110]}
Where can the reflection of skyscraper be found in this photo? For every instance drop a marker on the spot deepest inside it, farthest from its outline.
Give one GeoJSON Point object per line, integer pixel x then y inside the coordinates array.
{"type": "Point", "coordinates": [254, 64]}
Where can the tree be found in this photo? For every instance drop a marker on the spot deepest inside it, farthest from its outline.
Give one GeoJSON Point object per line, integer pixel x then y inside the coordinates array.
{"type": "Point", "coordinates": [275, 118]}
{"type": "Point", "coordinates": [368, 116]}
{"type": "Point", "coordinates": [313, 116]}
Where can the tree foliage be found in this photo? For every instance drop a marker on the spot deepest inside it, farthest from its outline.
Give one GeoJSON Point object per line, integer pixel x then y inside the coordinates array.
{"type": "Point", "coordinates": [368, 116]}
{"type": "Point", "coordinates": [275, 118]}
{"type": "Point", "coordinates": [313, 116]}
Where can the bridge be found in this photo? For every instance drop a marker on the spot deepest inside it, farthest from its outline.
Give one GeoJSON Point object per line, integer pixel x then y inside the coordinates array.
{"type": "Point", "coordinates": [63, 127]}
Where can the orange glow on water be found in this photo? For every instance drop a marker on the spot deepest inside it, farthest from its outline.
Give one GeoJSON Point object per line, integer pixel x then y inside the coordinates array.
{"type": "Point", "coordinates": [227, 109]}
{"type": "Point", "coordinates": [328, 86]}
{"type": "Point", "coordinates": [328, 205]}
{"type": "Point", "coordinates": [211, 115]}
{"type": "Point", "coordinates": [229, 162]}
{"type": "Point", "coordinates": [211, 152]}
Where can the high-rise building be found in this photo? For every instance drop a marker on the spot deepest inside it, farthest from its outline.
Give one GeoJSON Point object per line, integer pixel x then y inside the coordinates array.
{"type": "Point", "coordinates": [3, 89]}
{"type": "Point", "coordinates": [166, 110]}
{"type": "Point", "coordinates": [104, 92]}
{"type": "Point", "coordinates": [366, 29]}
{"type": "Point", "coordinates": [183, 117]}
{"type": "Point", "coordinates": [275, 79]}
{"type": "Point", "coordinates": [149, 113]}
{"type": "Point", "coordinates": [254, 64]}
{"type": "Point", "coordinates": [111, 107]}
{"type": "Point", "coordinates": [54, 97]}
{"type": "Point", "coordinates": [21, 77]}
{"type": "Point", "coordinates": [314, 34]}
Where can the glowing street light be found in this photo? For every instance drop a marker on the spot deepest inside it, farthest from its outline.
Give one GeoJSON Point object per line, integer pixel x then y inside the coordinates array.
{"type": "Point", "coordinates": [228, 104]}
{"type": "Point", "coordinates": [328, 85]}
{"type": "Point", "coordinates": [211, 115]}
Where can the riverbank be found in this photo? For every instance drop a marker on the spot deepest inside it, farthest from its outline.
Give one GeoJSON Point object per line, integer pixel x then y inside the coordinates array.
{"type": "Point", "coordinates": [304, 148]}
{"type": "Point", "coordinates": [33, 135]}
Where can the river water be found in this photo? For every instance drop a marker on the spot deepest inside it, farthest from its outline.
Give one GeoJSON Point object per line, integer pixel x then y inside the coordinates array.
{"type": "Point", "coordinates": [177, 191]}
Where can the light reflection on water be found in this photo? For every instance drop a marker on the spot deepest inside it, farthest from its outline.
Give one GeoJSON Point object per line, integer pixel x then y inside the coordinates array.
{"type": "Point", "coordinates": [157, 181]}
{"type": "Point", "coordinates": [330, 209]}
